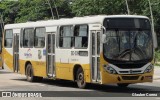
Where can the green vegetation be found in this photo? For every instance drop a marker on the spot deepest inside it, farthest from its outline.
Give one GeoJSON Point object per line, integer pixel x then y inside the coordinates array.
{"type": "Point", "coordinates": [32, 10]}
{"type": "Point", "coordinates": [111, 7]}
{"type": "Point", "coordinates": [157, 64]}
{"type": "Point", "coordinates": [157, 55]}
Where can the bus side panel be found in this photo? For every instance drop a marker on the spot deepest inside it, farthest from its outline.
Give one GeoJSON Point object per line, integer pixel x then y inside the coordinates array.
{"type": "Point", "coordinates": [39, 61]}
{"type": "Point", "coordinates": [39, 68]}
{"type": "Point", "coordinates": [66, 59]}
{"type": "Point", "coordinates": [87, 72]}
{"type": "Point", "coordinates": [21, 61]}
{"type": "Point", "coordinates": [8, 57]}
{"type": "Point", "coordinates": [22, 66]}
{"type": "Point", "coordinates": [31, 55]}
{"type": "Point", "coordinates": [65, 71]}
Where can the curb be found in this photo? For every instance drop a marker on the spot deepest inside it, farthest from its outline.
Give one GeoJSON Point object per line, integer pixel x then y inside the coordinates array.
{"type": "Point", "coordinates": [155, 77]}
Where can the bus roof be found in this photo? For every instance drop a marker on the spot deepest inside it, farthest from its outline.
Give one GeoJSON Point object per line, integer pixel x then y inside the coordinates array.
{"type": "Point", "coordinates": [69, 21]}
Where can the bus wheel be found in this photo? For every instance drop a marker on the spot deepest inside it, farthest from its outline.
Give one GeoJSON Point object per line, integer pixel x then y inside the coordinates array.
{"type": "Point", "coordinates": [80, 78]}
{"type": "Point", "coordinates": [122, 84]}
{"type": "Point", "coordinates": [29, 73]}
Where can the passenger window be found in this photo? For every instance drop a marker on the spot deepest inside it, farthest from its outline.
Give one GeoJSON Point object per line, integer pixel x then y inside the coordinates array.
{"type": "Point", "coordinates": [8, 38]}
{"type": "Point", "coordinates": [66, 37]}
{"type": "Point", "coordinates": [39, 37]}
{"type": "Point", "coordinates": [28, 37]}
{"type": "Point", "coordinates": [81, 36]}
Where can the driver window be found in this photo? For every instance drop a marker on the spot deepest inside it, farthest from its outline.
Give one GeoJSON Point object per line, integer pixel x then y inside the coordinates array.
{"type": "Point", "coordinates": [111, 44]}
{"type": "Point", "coordinates": [145, 42]}
{"type": "Point", "coordinates": [141, 39]}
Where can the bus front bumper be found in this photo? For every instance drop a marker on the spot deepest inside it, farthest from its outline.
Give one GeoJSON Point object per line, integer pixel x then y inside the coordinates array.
{"type": "Point", "coordinates": [134, 78]}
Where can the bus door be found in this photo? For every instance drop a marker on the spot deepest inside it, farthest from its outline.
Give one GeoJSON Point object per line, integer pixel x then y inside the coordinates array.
{"type": "Point", "coordinates": [95, 55]}
{"type": "Point", "coordinates": [50, 54]}
{"type": "Point", "coordinates": [16, 52]}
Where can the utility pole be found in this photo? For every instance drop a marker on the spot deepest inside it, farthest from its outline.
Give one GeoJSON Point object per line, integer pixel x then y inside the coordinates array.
{"type": "Point", "coordinates": [151, 15]}
{"type": "Point", "coordinates": [127, 7]}
{"type": "Point", "coordinates": [2, 22]}
{"type": "Point", "coordinates": [50, 8]}
{"type": "Point", "coordinates": [152, 20]}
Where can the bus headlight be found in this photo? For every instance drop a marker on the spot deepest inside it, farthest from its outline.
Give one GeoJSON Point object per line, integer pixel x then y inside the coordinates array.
{"type": "Point", "coordinates": [149, 68]}
{"type": "Point", "coordinates": [109, 69]}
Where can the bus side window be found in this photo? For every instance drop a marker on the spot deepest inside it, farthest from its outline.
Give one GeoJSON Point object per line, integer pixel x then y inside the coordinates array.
{"type": "Point", "coordinates": [8, 38]}
{"type": "Point", "coordinates": [81, 36]}
{"type": "Point", "coordinates": [39, 40]}
{"type": "Point", "coordinates": [28, 37]}
{"type": "Point", "coordinates": [66, 37]}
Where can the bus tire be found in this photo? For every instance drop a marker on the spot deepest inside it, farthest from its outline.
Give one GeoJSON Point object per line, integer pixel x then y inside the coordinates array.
{"type": "Point", "coordinates": [80, 78]}
{"type": "Point", "coordinates": [29, 74]}
{"type": "Point", "coordinates": [122, 85]}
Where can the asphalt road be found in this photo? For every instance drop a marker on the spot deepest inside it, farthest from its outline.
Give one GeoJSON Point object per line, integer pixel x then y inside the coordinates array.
{"type": "Point", "coordinates": [15, 82]}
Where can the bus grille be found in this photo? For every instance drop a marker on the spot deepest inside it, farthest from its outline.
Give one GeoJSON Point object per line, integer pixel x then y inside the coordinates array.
{"type": "Point", "coordinates": [130, 66]}
{"type": "Point", "coordinates": [130, 77]}
{"type": "Point", "coordinates": [133, 72]}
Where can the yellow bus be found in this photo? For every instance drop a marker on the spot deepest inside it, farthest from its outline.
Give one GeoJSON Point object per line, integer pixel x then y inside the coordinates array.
{"type": "Point", "coordinates": [115, 49]}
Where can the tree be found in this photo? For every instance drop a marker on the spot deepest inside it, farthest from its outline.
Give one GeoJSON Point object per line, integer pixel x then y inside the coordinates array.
{"type": "Point", "coordinates": [156, 12]}
{"type": "Point", "coordinates": [9, 9]}
{"type": "Point", "coordinates": [63, 7]}
{"type": "Point", "coordinates": [40, 10]}
{"type": "Point", "coordinates": [94, 7]}
{"type": "Point", "coordinates": [33, 10]}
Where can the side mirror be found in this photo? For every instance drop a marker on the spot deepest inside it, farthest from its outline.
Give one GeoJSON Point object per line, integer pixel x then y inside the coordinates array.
{"type": "Point", "coordinates": [103, 38]}
{"type": "Point", "coordinates": [104, 35]}
{"type": "Point", "coordinates": [155, 44]}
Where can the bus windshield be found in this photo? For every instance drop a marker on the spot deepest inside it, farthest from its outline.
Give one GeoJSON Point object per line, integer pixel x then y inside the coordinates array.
{"type": "Point", "coordinates": [130, 44]}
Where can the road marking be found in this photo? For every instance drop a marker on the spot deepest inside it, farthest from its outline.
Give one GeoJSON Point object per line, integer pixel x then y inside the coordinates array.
{"type": "Point", "coordinates": [156, 80]}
